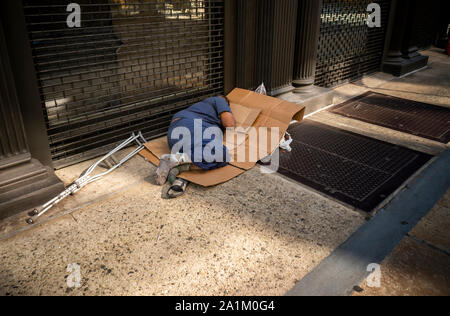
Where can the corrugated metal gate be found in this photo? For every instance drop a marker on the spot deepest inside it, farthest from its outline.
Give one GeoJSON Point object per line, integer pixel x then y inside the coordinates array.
{"type": "Point", "coordinates": [348, 48]}
{"type": "Point", "coordinates": [131, 66]}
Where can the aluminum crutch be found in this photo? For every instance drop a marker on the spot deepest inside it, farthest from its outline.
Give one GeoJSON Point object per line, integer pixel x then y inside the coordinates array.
{"type": "Point", "coordinates": [88, 177]}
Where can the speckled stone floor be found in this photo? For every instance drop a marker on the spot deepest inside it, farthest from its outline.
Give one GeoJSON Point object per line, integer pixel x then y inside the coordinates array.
{"type": "Point", "coordinates": [235, 239]}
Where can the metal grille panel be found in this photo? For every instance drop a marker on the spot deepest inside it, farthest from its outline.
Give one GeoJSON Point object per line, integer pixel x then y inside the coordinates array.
{"type": "Point", "coordinates": [348, 48]}
{"type": "Point", "coordinates": [355, 169]}
{"type": "Point", "coordinates": [131, 66]}
{"type": "Point", "coordinates": [416, 118]}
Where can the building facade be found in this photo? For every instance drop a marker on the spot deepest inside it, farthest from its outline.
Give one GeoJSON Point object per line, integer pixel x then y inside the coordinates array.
{"type": "Point", "coordinates": [71, 92]}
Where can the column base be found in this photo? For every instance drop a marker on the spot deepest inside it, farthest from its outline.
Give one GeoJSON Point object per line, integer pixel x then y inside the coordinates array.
{"type": "Point", "coordinates": [405, 66]}
{"type": "Point", "coordinates": [304, 89]}
{"type": "Point", "coordinates": [314, 99]}
{"type": "Point", "coordinates": [280, 90]}
{"type": "Point", "coordinates": [26, 186]}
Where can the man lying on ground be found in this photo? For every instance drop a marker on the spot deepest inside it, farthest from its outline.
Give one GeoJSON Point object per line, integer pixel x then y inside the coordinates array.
{"type": "Point", "coordinates": [211, 113]}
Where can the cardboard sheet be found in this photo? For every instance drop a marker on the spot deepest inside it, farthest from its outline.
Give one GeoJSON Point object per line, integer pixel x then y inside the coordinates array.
{"type": "Point", "coordinates": [200, 177]}
{"type": "Point", "coordinates": [273, 113]}
{"type": "Point", "coordinates": [245, 117]}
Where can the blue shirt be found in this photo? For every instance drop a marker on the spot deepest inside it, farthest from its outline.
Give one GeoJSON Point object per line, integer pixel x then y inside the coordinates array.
{"type": "Point", "coordinates": [208, 110]}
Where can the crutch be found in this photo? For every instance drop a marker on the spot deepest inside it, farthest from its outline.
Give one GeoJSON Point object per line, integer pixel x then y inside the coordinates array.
{"type": "Point", "coordinates": [88, 177]}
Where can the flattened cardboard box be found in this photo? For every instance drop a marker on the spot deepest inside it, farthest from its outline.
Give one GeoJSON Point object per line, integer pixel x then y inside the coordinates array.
{"type": "Point", "coordinates": [273, 113]}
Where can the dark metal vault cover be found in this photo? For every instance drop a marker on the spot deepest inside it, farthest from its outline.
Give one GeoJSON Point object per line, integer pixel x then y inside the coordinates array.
{"type": "Point", "coordinates": [357, 170]}
{"type": "Point", "coordinates": [416, 118]}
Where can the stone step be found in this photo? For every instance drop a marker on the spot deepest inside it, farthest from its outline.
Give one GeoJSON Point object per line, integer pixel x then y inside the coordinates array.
{"type": "Point", "coordinates": [26, 186]}
{"type": "Point", "coordinates": [21, 175]}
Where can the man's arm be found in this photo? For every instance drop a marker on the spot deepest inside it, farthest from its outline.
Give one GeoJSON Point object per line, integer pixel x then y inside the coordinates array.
{"type": "Point", "coordinates": [228, 120]}
{"type": "Point", "coordinates": [226, 116]}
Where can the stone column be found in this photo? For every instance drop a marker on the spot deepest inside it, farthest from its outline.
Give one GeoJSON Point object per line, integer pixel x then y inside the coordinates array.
{"type": "Point", "coordinates": [246, 46]}
{"type": "Point", "coordinates": [304, 68]}
{"type": "Point", "coordinates": [410, 46]}
{"type": "Point", "coordinates": [24, 182]}
{"type": "Point", "coordinates": [13, 145]}
{"type": "Point", "coordinates": [397, 30]}
{"type": "Point", "coordinates": [402, 56]}
{"type": "Point", "coordinates": [307, 41]}
{"type": "Point", "coordinates": [266, 44]}
{"type": "Point", "coordinates": [276, 44]}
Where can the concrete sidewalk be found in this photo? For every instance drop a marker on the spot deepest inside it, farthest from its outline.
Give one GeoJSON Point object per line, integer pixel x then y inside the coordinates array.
{"type": "Point", "coordinates": [235, 239]}
{"type": "Point", "coordinates": [256, 235]}
{"type": "Point", "coordinates": [420, 265]}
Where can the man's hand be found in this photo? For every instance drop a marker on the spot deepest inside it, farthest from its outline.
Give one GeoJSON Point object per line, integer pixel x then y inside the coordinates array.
{"type": "Point", "coordinates": [228, 120]}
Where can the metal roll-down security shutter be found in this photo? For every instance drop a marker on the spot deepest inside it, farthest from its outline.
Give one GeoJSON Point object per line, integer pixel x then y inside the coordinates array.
{"type": "Point", "coordinates": [130, 66]}
{"type": "Point", "coordinates": [348, 48]}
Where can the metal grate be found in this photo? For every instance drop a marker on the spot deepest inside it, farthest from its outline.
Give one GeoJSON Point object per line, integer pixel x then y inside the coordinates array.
{"type": "Point", "coordinates": [348, 48]}
{"type": "Point", "coordinates": [355, 169]}
{"type": "Point", "coordinates": [131, 66]}
{"type": "Point", "coordinates": [416, 118]}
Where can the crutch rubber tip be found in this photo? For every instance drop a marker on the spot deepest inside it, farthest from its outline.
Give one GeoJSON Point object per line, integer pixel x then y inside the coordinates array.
{"type": "Point", "coordinates": [33, 212]}
{"type": "Point", "coordinates": [30, 221]}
